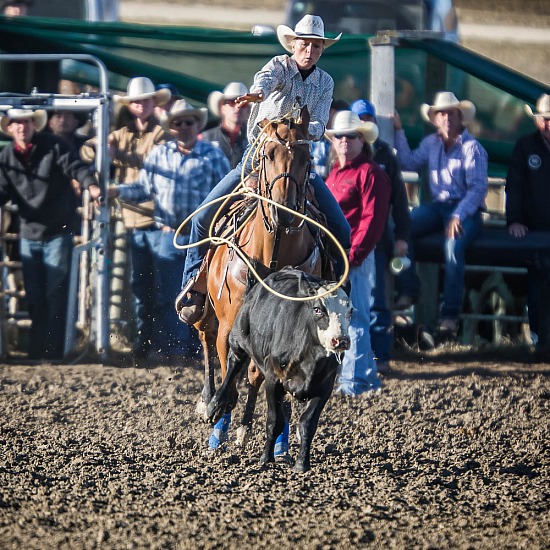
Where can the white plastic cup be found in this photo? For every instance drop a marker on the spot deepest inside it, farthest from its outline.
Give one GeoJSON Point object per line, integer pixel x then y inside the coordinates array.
{"type": "Point", "coordinates": [397, 265]}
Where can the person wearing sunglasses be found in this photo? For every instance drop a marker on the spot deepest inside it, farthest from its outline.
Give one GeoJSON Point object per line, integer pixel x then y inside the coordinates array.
{"type": "Point", "coordinates": [282, 86]}
{"type": "Point", "coordinates": [177, 175]}
{"type": "Point", "coordinates": [363, 191]}
{"type": "Point", "coordinates": [230, 134]}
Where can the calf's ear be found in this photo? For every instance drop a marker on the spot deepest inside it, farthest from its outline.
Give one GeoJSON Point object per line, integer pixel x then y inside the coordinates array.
{"type": "Point", "coordinates": [305, 288]}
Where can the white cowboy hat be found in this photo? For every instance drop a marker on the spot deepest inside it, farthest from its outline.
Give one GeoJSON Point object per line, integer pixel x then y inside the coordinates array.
{"type": "Point", "coordinates": [443, 101]}
{"type": "Point", "coordinates": [347, 121]}
{"type": "Point", "coordinates": [183, 108]}
{"type": "Point", "coordinates": [543, 107]}
{"type": "Point", "coordinates": [232, 91]}
{"type": "Point", "coordinates": [142, 88]}
{"type": "Point", "coordinates": [310, 26]}
{"type": "Point", "coordinates": [39, 116]}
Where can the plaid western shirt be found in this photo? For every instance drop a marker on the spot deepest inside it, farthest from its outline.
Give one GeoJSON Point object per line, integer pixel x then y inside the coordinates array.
{"type": "Point", "coordinates": [459, 174]}
{"type": "Point", "coordinates": [178, 182]}
{"type": "Point", "coordinates": [281, 84]}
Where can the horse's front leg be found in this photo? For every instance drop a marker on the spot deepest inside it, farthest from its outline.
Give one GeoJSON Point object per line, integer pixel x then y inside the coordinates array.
{"type": "Point", "coordinates": [254, 382]}
{"type": "Point", "coordinates": [275, 424]}
{"type": "Point", "coordinates": [208, 341]}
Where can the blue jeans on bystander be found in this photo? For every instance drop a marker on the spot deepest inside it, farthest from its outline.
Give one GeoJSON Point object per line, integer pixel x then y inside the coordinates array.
{"type": "Point", "coordinates": [429, 218]}
{"type": "Point", "coordinates": [46, 268]}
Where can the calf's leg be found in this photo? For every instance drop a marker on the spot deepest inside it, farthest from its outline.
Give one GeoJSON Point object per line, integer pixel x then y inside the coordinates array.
{"type": "Point", "coordinates": [308, 424]}
{"type": "Point", "coordinates": [274, 393]}
{"type": "Point", "coordinates": [225, 398]}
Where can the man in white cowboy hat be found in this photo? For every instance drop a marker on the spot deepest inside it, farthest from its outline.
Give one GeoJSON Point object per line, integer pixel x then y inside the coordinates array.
{"type": "Point", "coordinates": [36, 170]}
{"type": "Point", "coordinates": [128, 147]}
{"type": "Point", "coordinates": [457, 165]}
{"type": "Point", "coordinates": [178, 175]}
{"type": "Point", "coordinates": [527, 203]}
{"type": "Point", "coordinates": [282, 85]}
{"type": "Point", "coordinates": [363, 191]}
{"type": "Point", "coordinates": [230, 134]}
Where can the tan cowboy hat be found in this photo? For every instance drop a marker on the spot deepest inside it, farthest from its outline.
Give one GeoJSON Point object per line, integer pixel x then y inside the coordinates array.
{"type": "Point", "coordinates": [443, 101]}
{"type": "Point", "coordinates": [310, 26]}
{"type": "Point", "coordinates": [39, 116]}
{"type": "Point", "coordinates": [347, 121]}
{"type": "Point", "coordinates": [543, 107]}
{"type": "Point", "coordinates": [142, 88]}
{"type": "Point", "coordinates": [183, 108]}
{"type": "Point", "coordinates": [232, 91]}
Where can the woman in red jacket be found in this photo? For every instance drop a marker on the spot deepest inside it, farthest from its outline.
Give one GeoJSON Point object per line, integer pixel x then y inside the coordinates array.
{"type": "Point", "coordinates": [363, 191]}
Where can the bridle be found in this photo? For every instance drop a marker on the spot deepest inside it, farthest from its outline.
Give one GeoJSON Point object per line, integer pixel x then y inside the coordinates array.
{"type": "Point", "coordinates": [269, 185]}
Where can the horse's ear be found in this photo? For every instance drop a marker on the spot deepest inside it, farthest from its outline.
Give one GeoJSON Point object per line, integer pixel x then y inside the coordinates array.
{"type": "Point", "coordinates": [263, 122]}
{"type": "Point", "coordinates": [304, 115]}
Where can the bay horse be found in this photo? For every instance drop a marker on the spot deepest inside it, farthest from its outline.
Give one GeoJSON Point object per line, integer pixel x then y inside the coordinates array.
{"type": "Point", "coordinates": [270, 239]}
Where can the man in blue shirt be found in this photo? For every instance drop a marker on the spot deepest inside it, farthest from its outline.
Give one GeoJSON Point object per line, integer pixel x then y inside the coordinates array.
{"type": "Point", "coordinates": [457, 165]}
{"type": "Point", "coordinates": [178, 175]}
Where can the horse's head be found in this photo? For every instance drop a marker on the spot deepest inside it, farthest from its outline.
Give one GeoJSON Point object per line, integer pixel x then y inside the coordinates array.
{"type": "Point", "coordinates": [285, 164]}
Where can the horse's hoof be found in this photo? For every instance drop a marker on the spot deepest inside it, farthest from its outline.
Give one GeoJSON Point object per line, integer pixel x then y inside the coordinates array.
{"type": "Point", "coordinates": [216, 441]}
{"type": "Point", "coordinates": [284, 458]}
{"type": "Point", "coordinates": [265, 459]}
{"type": "Point", "coordinates": [243, 435]}
{"type": "Point", "coordinates": [201, 409]}
{"type": "Point", "coordinates": [301, 466]}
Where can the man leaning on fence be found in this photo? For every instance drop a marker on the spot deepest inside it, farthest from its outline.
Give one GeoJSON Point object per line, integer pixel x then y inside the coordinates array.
{"type": "Point", "coordinates": [36, 170]}
{"type": "Point", "coordinates": [527, 201]}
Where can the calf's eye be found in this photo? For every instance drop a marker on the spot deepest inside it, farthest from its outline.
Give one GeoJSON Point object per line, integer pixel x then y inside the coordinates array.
{"type": "Point", "coordinates": [317, 311]}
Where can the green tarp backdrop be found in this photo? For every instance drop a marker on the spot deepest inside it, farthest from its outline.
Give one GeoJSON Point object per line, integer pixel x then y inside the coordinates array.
{"type": "Point", "coordinates": [199, 60]}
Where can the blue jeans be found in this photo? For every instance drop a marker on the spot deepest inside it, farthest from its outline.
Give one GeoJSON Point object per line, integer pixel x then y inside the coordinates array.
{"type": "Point", "coordinates": [358, 372]}
{"type": "Point", "coordinates": [429, 218]}
{"type": "Point", "coordinates": [381, 334]}
{"type": "Point", "coordinates": [200, 223]}
{"type": "Point", "coordinates": [46, 269]}
{"type": "Point", "coordinates": [155, 278]}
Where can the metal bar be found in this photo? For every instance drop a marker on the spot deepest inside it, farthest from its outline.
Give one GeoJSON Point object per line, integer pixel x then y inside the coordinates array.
{"type": "Point", "coordinates": [489, 317]}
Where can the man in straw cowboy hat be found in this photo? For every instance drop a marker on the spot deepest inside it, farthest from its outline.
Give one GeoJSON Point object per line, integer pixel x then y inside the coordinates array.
{"type": "Point", "coordinates": [230, 134]}
{"type": "Point", "coordinates": [281, 85]}
{"type": "Point", "coordinates": [178, 175]}
{"type": "Point", "coordinates": [457, 165]}
{"type": "Point", "coordinates": [128, 147]}
{"type": "Point", "coordinates": [527, 202]}
{"type": "Point", "coordinates": [36, 170]}
{"type": "Point", "coordinates": [363, 191]}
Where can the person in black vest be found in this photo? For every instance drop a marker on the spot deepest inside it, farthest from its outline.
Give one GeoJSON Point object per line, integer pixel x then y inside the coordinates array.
{"type": "Point", "coordinates": [527, 200]}
{"type": "Point", "coordinates": [36, 170]}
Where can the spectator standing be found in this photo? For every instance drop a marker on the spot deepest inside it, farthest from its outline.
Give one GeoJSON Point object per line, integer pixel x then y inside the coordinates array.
{"type": "Point", "coordinates": [278, 87]}
{"type": "Point", "coordinates": [36, 170]}
{"type": "Point", "coordinates": [457, 165]}
{"type": "Point", "coordinates": [65, 124]}
{"type": "Point", "coordinates": [363, 191]}
{"type": "Point", "coordinates": [178, 174]}
{"type": "Point", "coordinates": [128, 147]}
{"type": "Point", "coordinates": [394, 243]}
{"type": "Point", "coordinates": [527, 200]}
{"type": "Point", "coordinates": [230, 134]}
{"type": "Point", "coordinates": [321, 150]}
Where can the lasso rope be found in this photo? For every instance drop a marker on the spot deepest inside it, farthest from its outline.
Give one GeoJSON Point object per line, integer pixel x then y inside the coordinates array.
{"type": "Point", "coordinates": [247, 192]}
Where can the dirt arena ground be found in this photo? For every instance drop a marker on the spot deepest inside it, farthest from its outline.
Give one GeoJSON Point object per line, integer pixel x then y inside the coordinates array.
{"type": "Point", "coordinates": [451, 454]}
